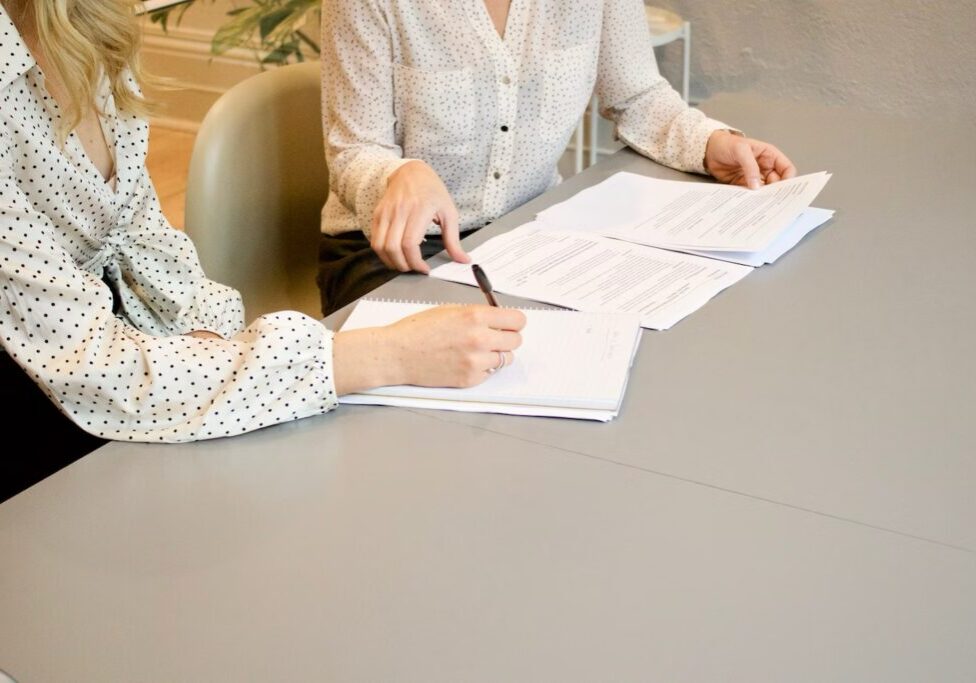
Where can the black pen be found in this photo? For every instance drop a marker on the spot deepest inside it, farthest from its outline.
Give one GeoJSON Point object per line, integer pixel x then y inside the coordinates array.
{"type": "Point", "coordinates": [484, 284]}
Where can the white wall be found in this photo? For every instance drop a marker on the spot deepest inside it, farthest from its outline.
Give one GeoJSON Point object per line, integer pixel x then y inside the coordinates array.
{"type": "Point", "coordinates": [183, 56]}
{"type": "Point", "coordinates": [916, 58]}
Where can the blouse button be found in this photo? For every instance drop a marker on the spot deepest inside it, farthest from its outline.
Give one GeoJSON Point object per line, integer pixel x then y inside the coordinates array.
{"type": "Point", "coordinates": [496, 175]}
{"type": "Point", "coordinates": [506, 80]}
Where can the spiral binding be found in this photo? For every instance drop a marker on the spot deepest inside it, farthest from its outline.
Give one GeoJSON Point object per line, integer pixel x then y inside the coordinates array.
{"type": "Point", "coordinates": [555, 309]}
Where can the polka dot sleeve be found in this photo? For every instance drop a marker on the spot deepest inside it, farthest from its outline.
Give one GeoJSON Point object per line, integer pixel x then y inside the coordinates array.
{"type": "Point", "coordinates": [649, 114]}
{"type": "Point", "coordinates": [166, 291]}
{"type": "Point", "coordinates": [357, 109]}
{"type": "Point", "coordinates": [118, 382]}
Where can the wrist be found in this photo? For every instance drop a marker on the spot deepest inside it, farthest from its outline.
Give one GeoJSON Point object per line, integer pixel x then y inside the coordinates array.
{"type": "Point", "coordinates": [406, 167]}
{"type": "Point", "coordinates": [365, 359]}
{"type": "Point", "coordinates": [715, 139]}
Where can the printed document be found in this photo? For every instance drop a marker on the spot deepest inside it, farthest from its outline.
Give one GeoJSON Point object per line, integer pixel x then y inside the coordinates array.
{"type": "Point", "coordinates": [588, 272]}
{"type": "Point", "coordinates": [809, 220]}
{"type": "Point", "coordinates": [685, 215]}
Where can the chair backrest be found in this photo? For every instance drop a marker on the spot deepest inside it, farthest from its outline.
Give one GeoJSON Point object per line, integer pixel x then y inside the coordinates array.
{"type": "Point", "coordinates": [256, 187]}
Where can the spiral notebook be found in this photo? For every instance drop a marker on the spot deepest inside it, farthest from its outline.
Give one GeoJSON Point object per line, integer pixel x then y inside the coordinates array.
{"type": "Point", "coordinates": [570, 364]}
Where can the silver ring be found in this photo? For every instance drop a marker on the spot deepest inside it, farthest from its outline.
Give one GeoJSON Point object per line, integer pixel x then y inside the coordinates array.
{"type": "Point", "coordinates": [502, 362]}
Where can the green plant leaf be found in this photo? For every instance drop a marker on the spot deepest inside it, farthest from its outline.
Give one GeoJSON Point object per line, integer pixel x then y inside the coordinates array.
{"type": "Point", "coordinates": [161, 17]}
{"type": "Point", "coordinates": [274, 29]}
{"type": "Point", "coordinates": [271, 20]}
{"type": "Point", "coordinates": [237, 31]}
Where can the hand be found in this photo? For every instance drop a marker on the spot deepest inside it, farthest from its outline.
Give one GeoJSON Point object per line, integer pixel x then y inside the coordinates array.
{"type": "Point", "coordinates": [447, 346]}
{"type": "Point", "coordinates": [415, 197]}
{"type": "Point", "coordinates": [738, 160]}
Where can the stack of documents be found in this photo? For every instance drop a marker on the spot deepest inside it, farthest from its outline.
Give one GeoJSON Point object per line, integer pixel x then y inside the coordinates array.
{"type": "Point", "coordinates": [570, 364]}
{"type": "Point", "coordinates": [659, 249]}
{"type": "Point", "coordinates": [727, 222]}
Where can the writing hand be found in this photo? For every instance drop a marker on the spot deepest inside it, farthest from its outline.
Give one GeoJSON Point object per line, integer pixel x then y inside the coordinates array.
{"type": "Point", "coordinates": [446, 346]}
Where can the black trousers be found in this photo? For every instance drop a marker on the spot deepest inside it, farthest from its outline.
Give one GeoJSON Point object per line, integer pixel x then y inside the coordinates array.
{"type": "Point", "coordinates": [350, 269]}
{"type": "Point", "coordinates": [54, 441]}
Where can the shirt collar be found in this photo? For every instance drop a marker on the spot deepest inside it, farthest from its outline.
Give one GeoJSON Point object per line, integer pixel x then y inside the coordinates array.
{"type": "Point", "coordinates": [15, 58]}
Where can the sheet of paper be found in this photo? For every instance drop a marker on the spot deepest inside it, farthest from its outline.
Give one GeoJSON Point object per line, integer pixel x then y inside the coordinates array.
{"type": "Point", "coordinates": [686, 215]}
{"type": "Point", "coordinates": [809, 220]}
{"type": "Point", "coordinates": [573, 361]}
{"type": "Point", "coordinates": [592, 273]}
{"type": "Point", "coordinates": [475, 407]}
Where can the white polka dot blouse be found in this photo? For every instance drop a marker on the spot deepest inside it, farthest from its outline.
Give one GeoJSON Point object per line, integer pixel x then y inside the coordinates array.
{"type": "Point", "coordinates": [434, 80]}
{"type": "Point", "coordinates": [97, 290]}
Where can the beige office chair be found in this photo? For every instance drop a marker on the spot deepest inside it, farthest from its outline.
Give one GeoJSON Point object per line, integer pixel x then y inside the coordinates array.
{"type": "Point", "coordinates": [256, 187]}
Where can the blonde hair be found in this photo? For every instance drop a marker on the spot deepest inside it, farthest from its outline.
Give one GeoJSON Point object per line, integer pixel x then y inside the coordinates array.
{"type": "Point", "coordinates": [84, 39]}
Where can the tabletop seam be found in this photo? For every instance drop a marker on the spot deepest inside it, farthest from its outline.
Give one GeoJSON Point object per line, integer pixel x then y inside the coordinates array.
{"type": "Point", "coordinates": [715, 487]}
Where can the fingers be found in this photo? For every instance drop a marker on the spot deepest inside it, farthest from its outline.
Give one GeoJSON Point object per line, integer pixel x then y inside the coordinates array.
{"type": "Point", "coordinates": [398, 246]}
{"type": "Point", "coordinates": [450, 230]}
{"type": "Point", "coordinates": [502, 340]}
{"type": "Point", "coordinates": [784, 167]}
{"type": "Point", "coordinates": [413, 236]}
{"type": "Point", "coordinates": [774, 165]}
{"type": "Point", "coordinates": [746, 158]}
{"type": "Point", "coordinates": [494, 361]}
{"type": "Point", "coordinates": [497, 318]}
{"type": "Point", "coordinates": [415, 197]}
{"type": "Point", "coordinates": [396, 236]}
{"type": "Point", "coordinates": [377, 235]}
{"type": "Point", "coordinates": [457, 345]}
{"type": "Point", "coordinates": [392, 246]}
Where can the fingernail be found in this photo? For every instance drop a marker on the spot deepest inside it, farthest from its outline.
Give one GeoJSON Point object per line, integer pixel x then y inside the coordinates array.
{"type": "Point", "coordinates": [753, 184]}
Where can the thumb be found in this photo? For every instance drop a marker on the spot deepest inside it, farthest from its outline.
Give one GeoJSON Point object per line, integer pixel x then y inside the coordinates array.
{"type": "Point", "coordinates": [747, 162]}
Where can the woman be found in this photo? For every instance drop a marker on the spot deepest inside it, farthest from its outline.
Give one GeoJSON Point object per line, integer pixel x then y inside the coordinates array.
{"type": "Point", "coordinates": [441, 116]}
{"type": "Point", "coordinates": [106, 317]}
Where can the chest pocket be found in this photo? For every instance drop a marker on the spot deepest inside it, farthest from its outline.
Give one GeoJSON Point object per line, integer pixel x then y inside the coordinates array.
{"type": "Point", "coordinates": [570, 74]}
{"type": "Point", "coordinates": [435, 110]}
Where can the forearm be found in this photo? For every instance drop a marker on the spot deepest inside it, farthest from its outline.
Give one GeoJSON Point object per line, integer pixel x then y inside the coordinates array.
{"type": "Point", "coordinates": [649, 114]}
{"type": "Point", "coordinates": [676, 136]}
{"type": "Point", "coordinates": [364, 359]}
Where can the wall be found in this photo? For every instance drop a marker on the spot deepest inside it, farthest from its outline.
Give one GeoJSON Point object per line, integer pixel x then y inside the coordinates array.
{"type": "Point", "coordinates": [183, 56]}
{"type": "Point", "coordinates": [913, 58]}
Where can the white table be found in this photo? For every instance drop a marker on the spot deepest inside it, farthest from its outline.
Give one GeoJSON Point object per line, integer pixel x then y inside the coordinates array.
{"type": "Point", "coordinates": [816, 524]}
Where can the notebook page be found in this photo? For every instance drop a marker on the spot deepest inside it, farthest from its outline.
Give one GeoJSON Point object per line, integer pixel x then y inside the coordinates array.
{"type": "Point", "coordinates": [567, 359]}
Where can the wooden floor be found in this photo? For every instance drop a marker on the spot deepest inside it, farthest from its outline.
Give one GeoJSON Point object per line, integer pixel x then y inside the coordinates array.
{"type": "Point", "coordinates": [168, 162]}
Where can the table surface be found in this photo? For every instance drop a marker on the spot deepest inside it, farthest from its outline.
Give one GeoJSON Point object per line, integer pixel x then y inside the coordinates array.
{"type": "Point", "coordinates": [786, 495]}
